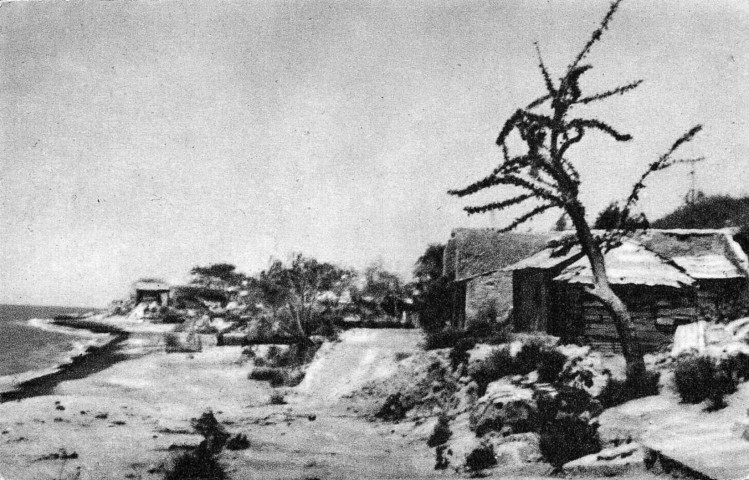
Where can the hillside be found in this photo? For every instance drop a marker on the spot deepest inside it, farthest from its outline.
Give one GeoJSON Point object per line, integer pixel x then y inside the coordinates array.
{"type": "Point", "coordinates": [710, 212]}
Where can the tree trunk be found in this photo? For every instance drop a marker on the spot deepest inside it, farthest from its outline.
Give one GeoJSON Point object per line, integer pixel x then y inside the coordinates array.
{"type": "Point", "coordinates": [625, 328]}
{"type": "Point", "coordinates": [297, 315]}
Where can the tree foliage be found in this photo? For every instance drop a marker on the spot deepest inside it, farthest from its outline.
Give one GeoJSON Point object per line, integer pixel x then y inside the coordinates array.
{"type": "Point", "coordinates": [434, 292]}
{"type": "Point", "coordinates": [716, 211]}
{"type": "Point", "coordinates": [543, 176]}
{"type": "Point", "coordinates": [610, 218]}
{"type": "Point", "coordinates": [221, 271]}
{"type": "Point", "coordinates": [298, 285]}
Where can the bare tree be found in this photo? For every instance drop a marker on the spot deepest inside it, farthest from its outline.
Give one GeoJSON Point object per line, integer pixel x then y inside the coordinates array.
{"type": "Point", "coordinates": [545, 175]}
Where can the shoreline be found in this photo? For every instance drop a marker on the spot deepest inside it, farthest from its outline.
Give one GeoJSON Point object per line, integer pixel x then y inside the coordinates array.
{"type": "Point", "coordinates": [98, 349]}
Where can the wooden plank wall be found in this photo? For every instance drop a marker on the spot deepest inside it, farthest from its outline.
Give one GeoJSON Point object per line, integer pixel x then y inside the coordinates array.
{"type": "Point", "coordinates": [655, 312]}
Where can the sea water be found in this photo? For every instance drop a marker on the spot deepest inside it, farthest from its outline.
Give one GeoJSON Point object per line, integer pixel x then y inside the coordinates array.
{"type": "Point", "coordinates": [23, 347]}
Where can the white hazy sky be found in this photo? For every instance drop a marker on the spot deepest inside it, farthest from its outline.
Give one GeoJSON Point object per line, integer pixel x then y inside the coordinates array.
{"type": "Point", "coordinates": [143, 138]}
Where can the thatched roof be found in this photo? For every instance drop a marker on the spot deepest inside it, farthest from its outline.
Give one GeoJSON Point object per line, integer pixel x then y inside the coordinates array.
{"type": "Point", "coordinates": [472, 252]}
{"type": "Point", "coordinates": [703, 254]}
{"type": "Point", "coordinates": [152, 286]}
{"type": "Point", "coordinates": [630, 264]}
{"type": "Point", "coordinates": [547, 258]}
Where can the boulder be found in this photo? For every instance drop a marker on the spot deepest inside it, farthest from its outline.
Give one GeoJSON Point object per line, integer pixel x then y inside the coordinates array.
{"type": "Point", "coordinates": [516, 449]}
{"type": "Point", "coordinates": [624, 459]}
{"type": "Point", "coordinates": [504, 406]}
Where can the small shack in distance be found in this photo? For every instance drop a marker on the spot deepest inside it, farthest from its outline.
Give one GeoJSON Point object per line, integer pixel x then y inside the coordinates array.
{"type": "Point", "coordinates": [152, 292]}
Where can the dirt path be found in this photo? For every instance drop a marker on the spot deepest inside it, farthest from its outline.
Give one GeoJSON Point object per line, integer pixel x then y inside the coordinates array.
{"type": "Point", "coordinates": [360, 356]}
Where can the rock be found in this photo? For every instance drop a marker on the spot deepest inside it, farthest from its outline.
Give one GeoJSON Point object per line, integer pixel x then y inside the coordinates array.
{"type": "Point", "coordinates": [504, 405]}
{"type": "Point", "coordinates": [516, 449]}
{"type": "Point", "coordinates": [457, 450]}
{"type": "Point", "coordinates": [624, 459]}
{"type": "Point", "coordinates": [464, 398]}
{"type": "Point", "coordinates": [741, 429]}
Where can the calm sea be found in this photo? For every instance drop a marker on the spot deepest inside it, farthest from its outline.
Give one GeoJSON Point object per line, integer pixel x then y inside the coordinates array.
{"type": "Point", "coordinates": [24, 348]}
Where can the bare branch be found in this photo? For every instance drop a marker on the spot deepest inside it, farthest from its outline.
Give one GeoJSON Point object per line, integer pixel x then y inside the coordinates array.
{"type": "Point", "coordinates": [687, 137]}
{"type": "Point", "coordinates": [547, 78]}
{"type": "Point", "coordinates": [663, 162]}
{"type": "Point", "coordinates": [678, 161]}
{"type": "Point", "coordinates": [539, 191]}
{"type": "Point", "coordinates": [595, 37]}
{"type": "Point", "coordinates": [485, 182]}
{"type": "Point", "coordinates": [539, 101]}
{"type": "Point", "coordinates": [499, 205]}
{"type": "Point", "coordinates": [524, 218]}
{"type": "Point", "coordinates": [509, 126]}
{"type": "Point", "coordinates": [610, 93]}
{"type": "Point", "coordinates": [601, 126]}
{"type": "Point", "coordinates": [569, 141]}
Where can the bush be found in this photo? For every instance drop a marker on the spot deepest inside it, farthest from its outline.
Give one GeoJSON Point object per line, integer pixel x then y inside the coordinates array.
{"type": "Point", "coordinates": [567, 438]}
{"type": "Point", "coordinates": [616, 392]}
{"type": "Point", "coordinates": [172, 316]}
{"type": "Point", "coordinates": [173, 343]}
{"type": "Point", "coordinates": [488, 331]}
{"type": "Point", "coordinates": [528, 358]}
{"type": "Point", "coordinates": [446, 338]}
{"type": "Point", "coordinates": [279, 358]}
{"type": "Point", "coordinates": [737, 367]}
{"type": "Point", "coordinates": [441, 432]}
{"type": "Point", "coordinates": [497, 365]}
{"type": "Point", "coordinates": [395, 407]}
{"type": "Point", "coordinates": [238, 442]}
{"type": "Point", "coordinates": [276, 376]}
{"type": "Point", "coordinates": [277, 398]}
{"type": "Point", "coordinates": [550, 364]}
{"type": "Point", "coordinates": [481, 458]}
{"type": "Point", "coordinates": [214, 433]}
{"type": "Point", "coordinates": [459, 352]}
{"type": "Point", "coordinates": [198, 464]}
{"type": "Point", "coordinates": [699, 378]}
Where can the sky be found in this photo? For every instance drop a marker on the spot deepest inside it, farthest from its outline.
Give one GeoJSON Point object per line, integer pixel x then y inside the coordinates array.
{"type": "Point", "coordinates": [142, 138]}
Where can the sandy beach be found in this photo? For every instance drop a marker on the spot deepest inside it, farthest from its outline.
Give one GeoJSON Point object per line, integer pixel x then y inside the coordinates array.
{"type": "Point", "coordinates": [124, 421]}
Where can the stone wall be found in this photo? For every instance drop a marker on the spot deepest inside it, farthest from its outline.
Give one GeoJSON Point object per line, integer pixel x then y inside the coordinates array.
{"type": "Point", "coordinates": [487, 293]}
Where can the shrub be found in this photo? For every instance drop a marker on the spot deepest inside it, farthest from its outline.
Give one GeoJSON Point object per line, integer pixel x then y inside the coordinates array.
{"type": "Point", "coordinates": [488, 331]}
{"type": "Point", "coordinates": [200, 463]}
{"type": "Point", "coordinates": [173, 343]}
{"type": "Point", "coordinates": [459, 352]}
{"type": "Point", "coordinates": [567, 438]}
{"type": "Point", "coordinates": [441, 432]}
{"type": "Point", "coordinates": [279, 358]}
{"type": "Point", "coordinates": [698, 378]}
{"type": "Point", "coordinates": [294, 377]}
{"type": "Point", "coordinates": [497, 365]}
{"type": "Point", "coordinates": [480, 458]}
{"type": "Point", "coordinates": [737, 367]}
{"type": "Point", "coordinates": [528, 358]}
{"type": "Point", "coordinates": [197, 464]}
{"type": "Point", "coordinates": [400, 356]}
{"type": "Point", "coordinates": [446, 338]}
{"type": "Point", "coordinates": [276, 376]}
{"type": "Point", "coordinates": [238, 442]}
{"type": "Point", "coordinates": [277, 398]}
{"type": "Point", "coordinates": [172, 316]}
{"type": "Point", "coordinates": [395, 407]}
{"type": "Point", "coordinates": [214, 433]}
{"type": "Point", "coordinates": [616, 392]}
{"type": "Point", "coordinates": [550, 364]}
{"type": "Point", "coordinates": [442, 461]}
